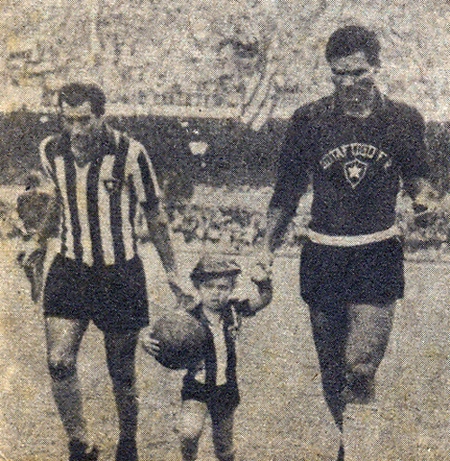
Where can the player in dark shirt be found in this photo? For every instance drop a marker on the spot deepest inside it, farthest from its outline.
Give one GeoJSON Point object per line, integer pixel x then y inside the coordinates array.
{"type": "Point", "coordinates": [357, 147]}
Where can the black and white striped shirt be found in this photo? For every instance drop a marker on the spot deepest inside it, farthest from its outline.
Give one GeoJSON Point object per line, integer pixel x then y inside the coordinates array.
{"type": "Point", "coordinates": [99, 200]}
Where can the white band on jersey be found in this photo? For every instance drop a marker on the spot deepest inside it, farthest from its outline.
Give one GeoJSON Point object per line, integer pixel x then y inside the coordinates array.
{"type": "Point", "coordinates": [352, 240]}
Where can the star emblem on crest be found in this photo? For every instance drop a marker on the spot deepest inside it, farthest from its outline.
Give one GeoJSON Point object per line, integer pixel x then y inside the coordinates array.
{"type": "Point", "coordinates": [355, 171]}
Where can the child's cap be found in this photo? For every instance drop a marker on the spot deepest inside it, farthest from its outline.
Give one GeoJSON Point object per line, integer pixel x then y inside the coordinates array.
{"type": "Point", "coordinates": [212, 267]}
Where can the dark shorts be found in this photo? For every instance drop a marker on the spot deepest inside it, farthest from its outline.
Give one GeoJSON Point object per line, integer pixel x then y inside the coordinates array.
{"type": "Point", "coordinates": [370, 273]}
{"type": "Point", "coordinates": [221, 400]}
{"type": "Point", "coordinates": [113, 297]}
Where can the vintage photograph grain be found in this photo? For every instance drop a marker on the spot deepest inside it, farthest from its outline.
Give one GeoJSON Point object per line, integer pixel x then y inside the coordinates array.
{"type": "Point", "coordinates": [224, 230]}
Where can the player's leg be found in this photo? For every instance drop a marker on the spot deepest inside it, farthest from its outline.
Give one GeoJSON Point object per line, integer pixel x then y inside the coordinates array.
{"type": "Point", "coordinates": [330, 329]}
{"type": "Point", "coordinates": [322, 283]}
{"type": "Point", "coordinates": [369, 330]}
{"type": "Point", "coordinates": [120, 354]}
{"type": "Point", "coordinates": [190, 426]}
{"type": "Point", "coordinates": [63, 342]}
{"type": "Point", "coordinates": [222, 432]}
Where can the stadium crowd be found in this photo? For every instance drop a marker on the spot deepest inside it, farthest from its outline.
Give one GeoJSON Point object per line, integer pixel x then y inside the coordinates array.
{"type": "Point", "coordinates": [238, 228]}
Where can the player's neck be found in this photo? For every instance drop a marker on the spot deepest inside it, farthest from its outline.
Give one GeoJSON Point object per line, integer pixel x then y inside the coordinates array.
{"type": "Point", "coordinates": [87, 151]}
{"type": "Point", "coordinates": [82, 157]}
{"type": "Point", "coordinates": [362, 111]}
{"type": "Point", "coordinates": [363, 108]}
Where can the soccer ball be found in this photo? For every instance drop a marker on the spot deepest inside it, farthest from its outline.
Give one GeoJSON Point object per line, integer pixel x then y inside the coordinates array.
{"type": "Point", "coordinates": [181, 340]}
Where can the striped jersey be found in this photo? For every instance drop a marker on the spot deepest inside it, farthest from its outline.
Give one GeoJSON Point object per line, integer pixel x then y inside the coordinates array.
{"type": "Point", "coordinates": [99, 200]}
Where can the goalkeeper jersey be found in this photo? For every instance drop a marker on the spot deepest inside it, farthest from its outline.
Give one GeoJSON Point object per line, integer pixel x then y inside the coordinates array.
{"type": "Point", "coordinates": [356, 164]}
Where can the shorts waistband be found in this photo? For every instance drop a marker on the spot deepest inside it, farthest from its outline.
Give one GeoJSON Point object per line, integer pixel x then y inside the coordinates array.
{"type": "Point", "coordinates": [64, 258]}
{"type": "Point", "coordinates": [352, 240]}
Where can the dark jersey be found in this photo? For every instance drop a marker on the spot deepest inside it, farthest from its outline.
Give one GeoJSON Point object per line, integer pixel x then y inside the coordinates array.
{"type": "Point", "coordinates": [356, 164]}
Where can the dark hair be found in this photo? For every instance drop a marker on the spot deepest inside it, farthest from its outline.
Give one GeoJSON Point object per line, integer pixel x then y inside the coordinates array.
{"type": "Point", "coordinates": [75, 94]}
{"type": "Point", "coordinates": [351, 39]}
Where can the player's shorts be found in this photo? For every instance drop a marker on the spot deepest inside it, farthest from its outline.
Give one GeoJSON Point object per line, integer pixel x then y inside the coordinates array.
{"type": "Point", "coordinates": [221, 400]}
{"type": "Point", "coordinates": [371, 273]}
{"type": "Point", "coordinates": [113, 297]}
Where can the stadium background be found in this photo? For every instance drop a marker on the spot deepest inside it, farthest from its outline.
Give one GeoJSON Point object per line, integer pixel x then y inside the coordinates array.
{"type": "Point", "coordinates": [207, 87]}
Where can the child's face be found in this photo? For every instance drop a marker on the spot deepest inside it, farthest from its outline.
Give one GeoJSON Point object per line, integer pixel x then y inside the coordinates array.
{"type": "Point", "coordinates": [215, 293]}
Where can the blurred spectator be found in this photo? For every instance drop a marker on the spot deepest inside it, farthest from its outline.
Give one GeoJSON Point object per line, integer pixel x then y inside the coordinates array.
{"type": "Point", "coordinates": [39, 215]}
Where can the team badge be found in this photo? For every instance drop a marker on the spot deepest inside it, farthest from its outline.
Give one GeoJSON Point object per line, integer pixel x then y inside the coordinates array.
{"type": "Point", "coordinates": [112, 185]}
{"type": "Point", "coordinates": [355, 171]}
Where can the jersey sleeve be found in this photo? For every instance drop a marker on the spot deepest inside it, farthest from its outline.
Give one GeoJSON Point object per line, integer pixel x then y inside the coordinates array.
{"type": "Point", "coordinates": [242, 307]}
{"type": "Point", "coordinates": [143, 176]}
{"type": "Point", "coordinates": [413, 159]}
{"type": "Point", "coordinates": [293, 166]}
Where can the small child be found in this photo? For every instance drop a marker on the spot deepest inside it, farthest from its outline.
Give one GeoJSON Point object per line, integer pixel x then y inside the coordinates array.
{"type": "Point", "coordinates": [211, 386]}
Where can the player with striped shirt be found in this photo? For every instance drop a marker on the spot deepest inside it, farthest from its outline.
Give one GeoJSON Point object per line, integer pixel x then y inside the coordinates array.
{"type": "Point", "coordinates": [101, 178]}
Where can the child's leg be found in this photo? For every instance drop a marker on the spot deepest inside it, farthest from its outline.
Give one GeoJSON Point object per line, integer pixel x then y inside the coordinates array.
{"type": "Point", "coordinates": [190, 426]}
{"type": "Point", "coordinates": [222, 432]}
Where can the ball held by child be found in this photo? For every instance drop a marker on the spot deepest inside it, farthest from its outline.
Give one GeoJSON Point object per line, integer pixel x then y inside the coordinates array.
{"type": "Point", "coordinates": [176, 340]}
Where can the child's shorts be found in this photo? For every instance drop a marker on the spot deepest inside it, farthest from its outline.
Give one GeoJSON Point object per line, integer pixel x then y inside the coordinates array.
{"type": "Point", "coordinates": [221, 400]}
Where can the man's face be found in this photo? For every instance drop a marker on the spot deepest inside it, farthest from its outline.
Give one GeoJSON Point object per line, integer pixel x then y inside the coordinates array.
{"type": "Point", "coordinates": [215, 293]}
{"type": "Point", "coordinates": [82, 125]}
{"type": "Point", "coordinates": [354, 79]}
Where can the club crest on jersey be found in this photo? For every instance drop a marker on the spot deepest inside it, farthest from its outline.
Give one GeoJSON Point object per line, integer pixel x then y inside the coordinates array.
{"type": "Point", "coordinates": [112, 185]}
{"type": "Point", "coordinates": [355, 171]}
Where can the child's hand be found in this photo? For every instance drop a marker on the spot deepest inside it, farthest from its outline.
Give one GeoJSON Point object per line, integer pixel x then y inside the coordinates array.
{"type": "Point", "coordinates": [149, 344]}
{"type": "Point", "coordinates": [199, 371]}
{"type": "Point", "coordinates": [260, 272]}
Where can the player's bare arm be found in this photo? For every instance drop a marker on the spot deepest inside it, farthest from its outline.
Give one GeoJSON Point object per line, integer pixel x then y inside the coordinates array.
{"type": "Point", "coordinates": [278, 220]}
{"type": "Point", "coordinates": [159, 233]}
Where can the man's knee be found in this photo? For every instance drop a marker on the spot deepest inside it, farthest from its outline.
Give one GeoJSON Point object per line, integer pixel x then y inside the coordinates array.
{"type": "Point", "coordinates": [189, 433]}
{"type": "Point", "coordinates": [370, 330]}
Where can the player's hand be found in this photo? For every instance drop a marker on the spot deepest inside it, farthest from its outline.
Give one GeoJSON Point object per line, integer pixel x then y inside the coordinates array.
{"type": "Point", "coordinates": [184, 301]}
{"type": "Point", "coordinates": [30, 245]}
{"type": "Point", "coordinates": [260, 272]}
{"type": "Point", "coordinates": [150, 344]}
{"type": "Point", "coordinates": [263, 266]}
{"type": "Point", "coordinates": [265, 259]}
{"type": "Point", "coordinates": [425, 214]}
{"type": "Point", "coordinates": [426, 205]}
